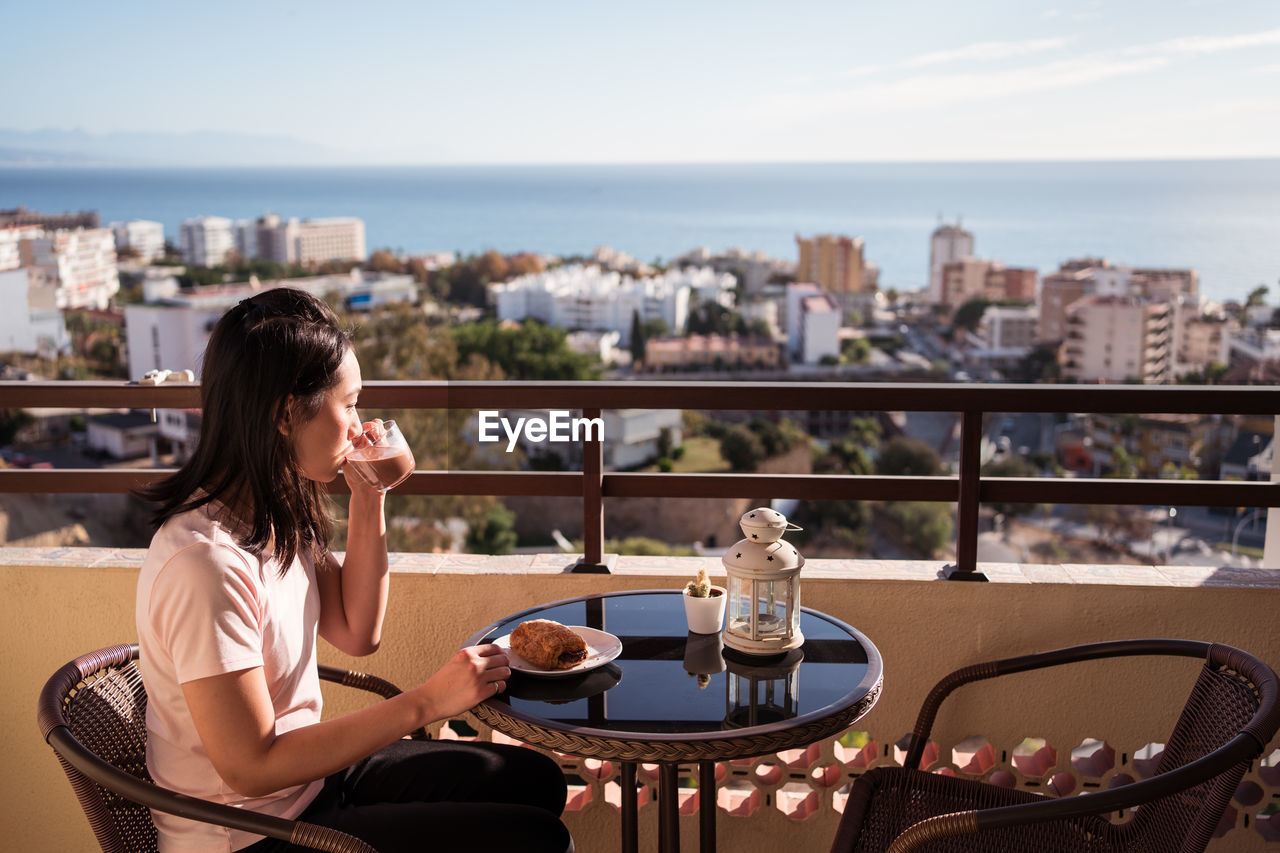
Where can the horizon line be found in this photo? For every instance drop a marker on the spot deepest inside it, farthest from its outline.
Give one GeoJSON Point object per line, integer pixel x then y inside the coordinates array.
{"type": "Point", "coordinates": [1171, 158]}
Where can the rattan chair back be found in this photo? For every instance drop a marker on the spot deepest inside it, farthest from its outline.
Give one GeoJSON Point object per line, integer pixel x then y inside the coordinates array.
{"type": "Point", "coordinates": [1231, 715]}
{"type": "Point", "coordinates": [101, 701]}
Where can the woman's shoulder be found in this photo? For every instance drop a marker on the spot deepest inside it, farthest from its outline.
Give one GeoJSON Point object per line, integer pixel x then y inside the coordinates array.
{"type": "Point", "coordinates": [201, 534]}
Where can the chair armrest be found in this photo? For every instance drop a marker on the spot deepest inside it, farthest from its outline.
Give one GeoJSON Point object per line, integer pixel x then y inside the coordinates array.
{"type": "Point", "coordinates": [369, 683]}
{"type": "Point", "coordinates": [162, 799]}
{"type": "Point", "coordinates": [992, 669]}
{"type": "Point", "coordinates": [1242, 748]}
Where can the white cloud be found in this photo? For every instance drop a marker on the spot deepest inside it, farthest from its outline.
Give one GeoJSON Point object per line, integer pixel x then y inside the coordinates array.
{"type": "Point", "coordinates": [985, 51]}
{"type": "Point", "coordinates": [1207, 44]}
{"type": "Point", "coordinates": [924, 91]}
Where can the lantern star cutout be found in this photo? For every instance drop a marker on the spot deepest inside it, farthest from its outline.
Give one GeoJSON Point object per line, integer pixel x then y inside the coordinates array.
{"type": "Point", "coordinates": [770, 558]}
{"type": "Point", "coordinates": [738, 556]}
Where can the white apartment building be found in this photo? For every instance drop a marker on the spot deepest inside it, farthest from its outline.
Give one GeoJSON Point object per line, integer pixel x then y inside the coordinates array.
{"type": "Point", "coordinates": [1003, 336]}
{"type": "Point", "coordinates": [577, 297]}
{"type": "Point", "coordinates": [753, 270]}
{"type": "Point", "coordinates": [813, 323]}
{"type": "Point", "coordinates": [336, 239]}
{"type": "Point", "coordinates": [947, 244]}
{"type": "Point", "coordinates": [206, 240]}
{"type": "Point", "coordinates": [10, 238]}
{"type": "Point", "coordinates": [142, 235]}
{"type": "Point", "coordinates": [1116, 339]}
{"type": "Point", "coordinates": [30, 323]}
{"type": "Point", "coordinates": [81, 262]}
{"type": "Point", "coordinates": [170, 333]}
{"type": "Point", "coordinates": [308, 241]}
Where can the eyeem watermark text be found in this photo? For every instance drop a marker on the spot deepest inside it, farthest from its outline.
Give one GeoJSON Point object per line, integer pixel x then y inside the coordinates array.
{"type": "Point", "coordinates": [558, 427]}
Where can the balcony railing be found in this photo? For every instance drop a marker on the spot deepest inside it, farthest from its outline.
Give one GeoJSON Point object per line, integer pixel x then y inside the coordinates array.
{"type": "Point", "coordinates": [967, 488]}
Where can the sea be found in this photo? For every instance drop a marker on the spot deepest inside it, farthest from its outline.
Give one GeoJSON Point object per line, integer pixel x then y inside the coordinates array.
{"type": "Point", "coordinates": [1220, 217]}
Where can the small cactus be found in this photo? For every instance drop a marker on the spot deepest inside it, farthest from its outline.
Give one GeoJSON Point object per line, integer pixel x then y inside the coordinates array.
{"type": "Point", "coordinates": [700, 587]}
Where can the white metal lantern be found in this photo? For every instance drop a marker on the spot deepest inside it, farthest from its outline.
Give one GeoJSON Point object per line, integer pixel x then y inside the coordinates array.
{"type": "Point", "coordinates": [764, 586]}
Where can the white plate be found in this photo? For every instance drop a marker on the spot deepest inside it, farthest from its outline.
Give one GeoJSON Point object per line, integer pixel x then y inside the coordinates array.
{"type": "Point", "coordinates": [602, 647]}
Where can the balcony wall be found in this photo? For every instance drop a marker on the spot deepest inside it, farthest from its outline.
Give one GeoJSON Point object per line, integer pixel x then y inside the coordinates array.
{"type": "Point", "coordinates": [63, 602]}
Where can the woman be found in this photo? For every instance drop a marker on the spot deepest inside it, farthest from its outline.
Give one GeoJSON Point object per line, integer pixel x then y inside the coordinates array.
{"type": "Point", "coordinates": [236, 585]}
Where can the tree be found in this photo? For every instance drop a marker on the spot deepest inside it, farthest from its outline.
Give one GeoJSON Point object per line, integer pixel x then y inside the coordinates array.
{"type": "Point", "coordinates": [637, 339]}
{"type": "Point", "coordinates": [905, 456]}
{"type": "Point", "coordinates": [924, 527]}
{"type": "Point", "coordinates": [1010, 466]}
{"type": "Point", "coordinates": [970, 313]}
{"type": "Point", "coordinates": [741, 448]}
{"type": "Point", "coordinates": [531, 351]}
{"type": "Point", "coordinates": [494, 532]}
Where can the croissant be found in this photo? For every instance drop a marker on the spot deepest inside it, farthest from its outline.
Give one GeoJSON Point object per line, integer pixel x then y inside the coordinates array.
{"type": "Point", "coordinates": [547, 644]}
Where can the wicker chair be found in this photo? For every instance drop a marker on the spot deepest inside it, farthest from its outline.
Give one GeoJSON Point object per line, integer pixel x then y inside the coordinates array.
{"type": "Point", "coordinates": [93, 713]}
{"type": "Point", "coordinates": [1229, 719]}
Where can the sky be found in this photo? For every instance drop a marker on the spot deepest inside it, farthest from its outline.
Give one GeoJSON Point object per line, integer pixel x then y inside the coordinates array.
{"type": "Point", "coordinates": [658, 81]}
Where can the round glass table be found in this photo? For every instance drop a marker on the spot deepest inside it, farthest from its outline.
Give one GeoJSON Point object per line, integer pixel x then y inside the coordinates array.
{"type": "Point", "coordinates": [672, 697]}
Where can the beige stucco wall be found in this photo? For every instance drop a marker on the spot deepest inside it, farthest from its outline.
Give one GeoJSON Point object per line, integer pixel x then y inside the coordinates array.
{"type": "Point", "coordinates": [64, 602]}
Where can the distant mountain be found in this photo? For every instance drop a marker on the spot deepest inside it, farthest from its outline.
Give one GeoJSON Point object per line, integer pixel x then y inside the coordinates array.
{"type": "Point", "coordinates": [56, 147]}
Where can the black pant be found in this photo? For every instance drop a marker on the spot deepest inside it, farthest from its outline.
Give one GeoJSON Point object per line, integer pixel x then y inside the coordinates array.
{"type": "Point", "coordinates": [443, 796]}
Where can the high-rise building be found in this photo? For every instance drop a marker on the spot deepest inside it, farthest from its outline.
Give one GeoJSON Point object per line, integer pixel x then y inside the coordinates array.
{"type": "Point", "coordinates": [10, 238]}
{"type": "Point", "coordinates": [837, 263]}
{"type": "Point", "coordinates": [947, 244]}
{"type": "Point", "coordinates": [206, 240]}
{"type": "Point", "coordinates": [305, 242]}
{"type": "Point", "coordinates": [1117, 339]}
{"type": "Point", "coordinates": [80, 263]}
{"type": "Point", "coordinates": [1089, 276]}
{"type": "Point", "coordinates": [144, 237]}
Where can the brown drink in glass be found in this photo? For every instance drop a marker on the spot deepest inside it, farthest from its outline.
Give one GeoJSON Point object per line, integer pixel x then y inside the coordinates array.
{"type": "Point", "coordinates": [385, 460]}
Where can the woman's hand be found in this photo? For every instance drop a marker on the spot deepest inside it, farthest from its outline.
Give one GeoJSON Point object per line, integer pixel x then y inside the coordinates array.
{"type": "Point", "coordinates": [472, 675]}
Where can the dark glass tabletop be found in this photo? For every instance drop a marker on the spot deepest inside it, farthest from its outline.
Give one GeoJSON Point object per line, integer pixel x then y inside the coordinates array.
{"type": "Point", "coordinates": [669, 682]}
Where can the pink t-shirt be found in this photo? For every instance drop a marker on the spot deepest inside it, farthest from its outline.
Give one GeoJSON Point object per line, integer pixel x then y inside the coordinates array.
{"type": "Point", "coordinates": [205, 607]}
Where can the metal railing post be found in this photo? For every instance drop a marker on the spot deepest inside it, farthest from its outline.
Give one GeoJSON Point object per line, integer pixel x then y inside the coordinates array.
{"type": "Point", "coordinates": [967, 500]}
{"type": "Point", "coordinates": [592, 561]}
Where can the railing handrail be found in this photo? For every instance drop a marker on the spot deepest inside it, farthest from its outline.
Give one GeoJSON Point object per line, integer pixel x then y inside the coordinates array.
{"type": "Point", "coordinates": [650, 394]}
{"type": "Point", "coordinates": [968, 489]}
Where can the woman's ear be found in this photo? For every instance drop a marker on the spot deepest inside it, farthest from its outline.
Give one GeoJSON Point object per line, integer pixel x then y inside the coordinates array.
{"type": "Point", "coordinates": [284, 422]}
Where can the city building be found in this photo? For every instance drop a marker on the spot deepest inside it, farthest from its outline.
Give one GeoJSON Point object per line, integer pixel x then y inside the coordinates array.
{"type": "Point", "coordinates": [144, 237]}
{"type": "Point", "coordinates": [975, 278]}
{"type": "Point", "coordinates": [813, 323]}
{"type": "Point", "coordinates": [601, 345]}
{"type": "Point", "coordinates": [307, 242]}
{"type": "Point", "coordinates": [1003, 337]}
{"type": "Point", "coordinates": [1201, 334]}
{"type": "Point", "coordinates": [122, 435]}
{"type": "Point", "coordinates": [11, 236]}
{"type": "Point", "coordinates": [170, 333]}
{"type": "Point", "coordinates": [206, 240]}
{"type": "Point", "coordinates": [837, 263]}
{"type": "Point", "coordinates": [588, 298]}
{"type": "Point", "coordinates": [335, 239]}
{"type": "Point", "coordinates": [1117, 339]}
{"type": "Point", "coordinates": [1088, 276]}
{"type": "Point", "coordinates": [1157, 443]}
{"type": "Point", "coordinates": [715, 352]}
{"type": "Point", "coordinates": [80, 263]}
{"type": "Point", "coordinates": [753, 270]}
{"type": "Point", "coordinates": [616, 261]}
{"type": "Point", "coordinates": [31, 323]}
{"type": "Point", "coordinates": [20, 216]}
{"type": "Point", "coordinates": [947, 244]}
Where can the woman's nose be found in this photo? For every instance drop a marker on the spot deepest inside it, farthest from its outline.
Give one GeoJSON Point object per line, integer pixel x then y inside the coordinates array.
{"type": "Point", "coordinates": [355, 426]}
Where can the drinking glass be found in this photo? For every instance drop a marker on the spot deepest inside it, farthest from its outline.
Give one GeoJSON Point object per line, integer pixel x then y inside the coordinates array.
{"type": "Point", "coordinates": [384, 460]}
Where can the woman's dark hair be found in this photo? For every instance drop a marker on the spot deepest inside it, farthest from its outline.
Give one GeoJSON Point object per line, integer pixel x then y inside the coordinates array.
{"type": "Point", "coordinates": [274, 345]}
